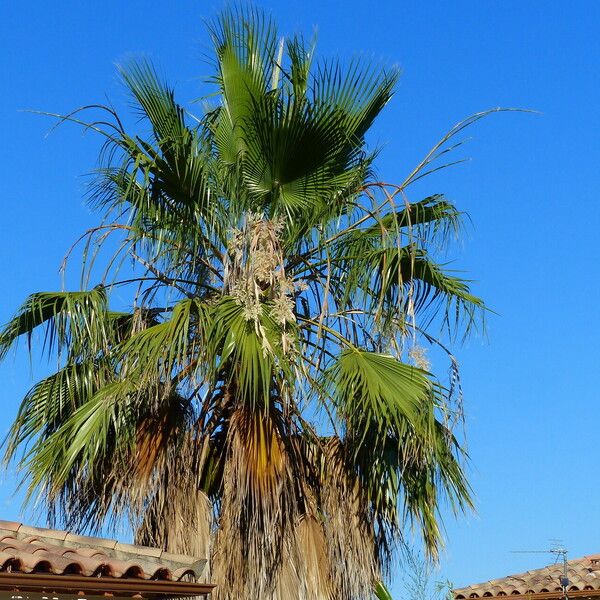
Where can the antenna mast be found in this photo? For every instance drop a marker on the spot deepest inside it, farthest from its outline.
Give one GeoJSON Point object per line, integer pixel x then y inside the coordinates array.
{"type": "Point", "coordinates": [560, 552]}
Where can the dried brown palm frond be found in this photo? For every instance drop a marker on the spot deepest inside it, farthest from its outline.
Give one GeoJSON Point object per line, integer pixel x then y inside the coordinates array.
{"type": "Point", "coordinates": [258, 505]}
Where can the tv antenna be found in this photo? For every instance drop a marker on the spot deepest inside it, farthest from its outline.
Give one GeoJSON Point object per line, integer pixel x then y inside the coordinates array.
{"type": "Point", "coordinates": [561, 553]}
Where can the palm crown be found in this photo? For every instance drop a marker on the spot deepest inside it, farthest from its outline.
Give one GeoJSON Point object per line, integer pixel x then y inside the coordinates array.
{"type": "Point", "coordinates": [263, 394]}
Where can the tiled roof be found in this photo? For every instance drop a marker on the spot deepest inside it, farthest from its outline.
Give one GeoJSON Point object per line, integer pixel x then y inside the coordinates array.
{"type": "Point", "coordinates": [583, 575]}
{"type": "Point", "coordinates": [26, 549]}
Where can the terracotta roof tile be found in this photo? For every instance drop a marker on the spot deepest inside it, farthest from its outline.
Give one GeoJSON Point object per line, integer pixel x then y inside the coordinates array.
{"type": "Point", "coordinates": [36, 550]}
{"type": "Point", "coordinates": [583, 574]}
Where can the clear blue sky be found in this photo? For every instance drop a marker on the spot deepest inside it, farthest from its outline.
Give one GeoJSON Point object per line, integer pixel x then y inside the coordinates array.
{"type": "Point", "coordinates": [531, 190]}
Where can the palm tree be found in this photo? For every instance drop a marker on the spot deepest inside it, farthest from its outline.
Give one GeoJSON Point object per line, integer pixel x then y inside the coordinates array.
{"type": "Point", "coordinates": [264, 396]}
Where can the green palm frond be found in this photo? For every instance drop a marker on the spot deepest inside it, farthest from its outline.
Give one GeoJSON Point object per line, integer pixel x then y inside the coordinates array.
{"type": "Point", "coordinates": [122, 429]}
{"type": "Point", "coordinates": [74, 321]}
{"type": "Point", "coordinates": [83, 438]}
{"type": "Point", "coordinates": [157, 352]}
{"type": "Point", "coordinates": [157, 103]}
{"type": "Point", "coordinates": [376, 393]}
{"type": "Point", "coordinates": [251, 350]}
{"type": "Point", "coordinates": [426, 285]}
{"type": "Point", "coordinates": [301, 57]}
{"type": "Point", "coordinates": [433, 473]}
{"type": "Point", "coordinates": [424, 220]}
{"type": "Point", "coordinates": [395, 442]}
{"type": "Point", "coordinates": [48, 404]}
{"type": "Point", "coordinates": [404, 280]}
{"type": "Point", "coordinates": [245, 45]}
{"type": "Point", "coordinates": [358, 93]}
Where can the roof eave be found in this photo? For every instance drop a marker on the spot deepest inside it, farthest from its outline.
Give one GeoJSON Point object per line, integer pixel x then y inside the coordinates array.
{"type": "Point", "coordinates": [592, 594]}
{"type": "Point", "coordinates": [101, 586]}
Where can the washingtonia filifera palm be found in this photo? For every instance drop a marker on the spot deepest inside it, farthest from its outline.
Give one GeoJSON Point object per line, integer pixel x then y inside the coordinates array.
{"type": "Point", "coordinates": [264, 398]}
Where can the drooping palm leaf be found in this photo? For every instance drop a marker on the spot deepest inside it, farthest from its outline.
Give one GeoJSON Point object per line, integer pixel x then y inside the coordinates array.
{"type": "Point", "coordinates": [75, 321]}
